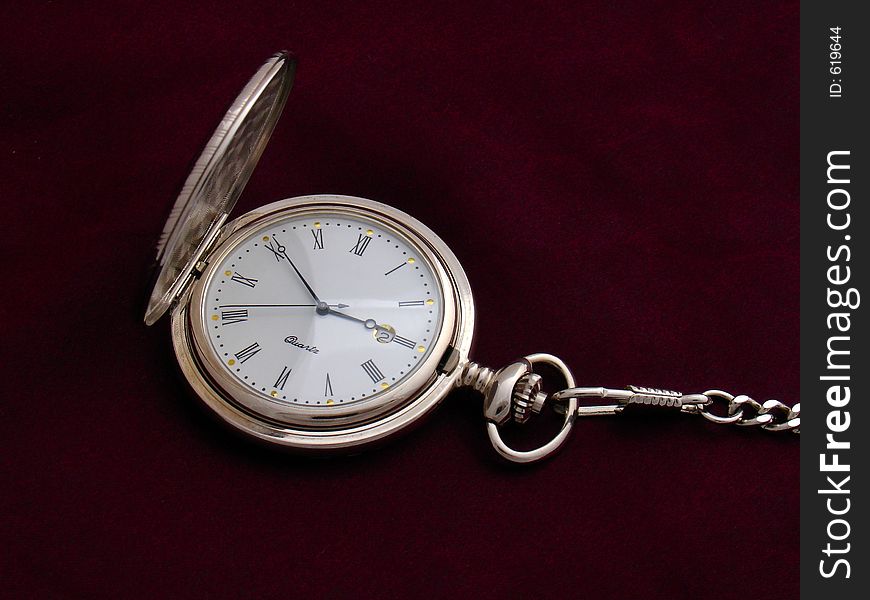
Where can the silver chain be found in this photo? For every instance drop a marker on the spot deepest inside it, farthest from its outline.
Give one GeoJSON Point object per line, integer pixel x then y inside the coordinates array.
{"type": "Point", "coordinates": [514, 393]}
{"type": "Point", "coordinates": [741, 410]}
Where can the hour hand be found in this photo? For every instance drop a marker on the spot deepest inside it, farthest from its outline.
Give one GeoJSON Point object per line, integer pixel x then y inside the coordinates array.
{"type": "Point", "coordinates": [383, 333]}
{"type": "Point", "coordinates": [368, 323]}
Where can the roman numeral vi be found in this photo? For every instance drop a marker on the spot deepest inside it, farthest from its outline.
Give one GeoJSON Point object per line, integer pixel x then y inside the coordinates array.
{"type": "Point", "coordinates": [282, 378]}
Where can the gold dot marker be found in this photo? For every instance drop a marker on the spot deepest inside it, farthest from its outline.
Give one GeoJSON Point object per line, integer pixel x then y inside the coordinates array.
{"type": "Point", "coordinates": [421, 348]}
{"type": "Point", "coordinates": [265, 238]}
{"type": "Point", "coordinates": [231, 362]}
{"type": "Point", "coordinates": [214, 317]}
{"type": "Point", "coordinates": [385, 385]}
{"type": "Point", "coordinates": [369, 232]}
{"type": "Point", "coordinates": [330, 402]}
{"type": "Point", "coordinates": [411, 261]}
{"type": "Point", "coordinates": [228, 273]}
{"type": "Point", "coordinates": [430, 302]}
{"type": "Point", "coordinates": [273, 393]}
{"type": "Point", "coordinates": [317, 224]}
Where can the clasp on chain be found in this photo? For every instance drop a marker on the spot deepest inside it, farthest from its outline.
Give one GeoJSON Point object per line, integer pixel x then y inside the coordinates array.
{"type": "Point", "coordinates": [632, 395]}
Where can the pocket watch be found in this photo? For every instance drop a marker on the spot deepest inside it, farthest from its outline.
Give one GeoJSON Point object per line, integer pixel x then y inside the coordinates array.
{"type": "Point", "coordinates": [328, 323]}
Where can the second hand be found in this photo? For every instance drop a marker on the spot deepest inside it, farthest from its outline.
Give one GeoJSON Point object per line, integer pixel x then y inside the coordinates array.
{"type": "Point", "coordinates": [279, 305]}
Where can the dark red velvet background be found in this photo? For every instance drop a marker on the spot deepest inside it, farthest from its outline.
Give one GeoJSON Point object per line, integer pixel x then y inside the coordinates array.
{"type": "Point", "coordinates": [620, 180]}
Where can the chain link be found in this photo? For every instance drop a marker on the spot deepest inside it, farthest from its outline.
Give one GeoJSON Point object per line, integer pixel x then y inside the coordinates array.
{"type": "Point", "coordinates": [742, 410]}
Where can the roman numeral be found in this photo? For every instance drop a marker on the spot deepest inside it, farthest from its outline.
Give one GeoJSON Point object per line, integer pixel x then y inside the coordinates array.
{"type": "Point", "coordinates": [228, 317]}
{"type": "Point", "coordinates": [361, 244]}
{"type": "Point", "coordinates": [318, 239]}
{"type": "Point", "coordinates": [328, 391]}
{"type": "Point", "coordinates": [411, 303]}
{"type": "Point", "coordinates": [404, 342]}
{"type": "Point", "coordinates": [276, 250]}
{"type": "Point", "coordinates": [395, 269]}
{"type": "Point", "coordinates": [282, 379]}
{"type": "Point", "coordinates": [248, 352]}
{"type": "Point", "coordinates": [248, 281]}
{"type": "Point", "coordinates": [372, 371]}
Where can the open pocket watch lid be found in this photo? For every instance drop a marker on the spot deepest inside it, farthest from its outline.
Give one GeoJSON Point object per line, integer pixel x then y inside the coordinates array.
{"type": "Point", "coordinates": [217, 179]}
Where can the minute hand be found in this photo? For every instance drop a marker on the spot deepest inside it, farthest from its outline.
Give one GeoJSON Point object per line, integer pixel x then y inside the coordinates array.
{"type": "Point", "coordinates": [282, 250]}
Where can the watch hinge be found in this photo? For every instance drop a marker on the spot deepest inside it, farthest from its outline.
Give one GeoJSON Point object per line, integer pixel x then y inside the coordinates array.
{"type": "Point", "coordinates": [199, 269]}
{"type": "Point", "coordinates": [210, 241]}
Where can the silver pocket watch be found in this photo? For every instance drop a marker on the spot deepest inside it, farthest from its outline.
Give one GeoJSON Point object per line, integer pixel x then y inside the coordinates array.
{"type": "Point", "coordinates": [328, 323]}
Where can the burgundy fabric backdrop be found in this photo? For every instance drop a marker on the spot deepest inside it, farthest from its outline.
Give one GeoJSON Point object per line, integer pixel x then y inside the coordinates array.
{"type": "Point", "coordinates": [620, 180]}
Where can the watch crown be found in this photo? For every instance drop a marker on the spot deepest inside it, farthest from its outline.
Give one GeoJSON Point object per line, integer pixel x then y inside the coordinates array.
{"type": "Point", "coordinates": [528, 397]}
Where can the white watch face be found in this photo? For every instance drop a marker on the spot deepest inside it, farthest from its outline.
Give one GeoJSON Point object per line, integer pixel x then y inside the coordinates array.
{"type": "Point", "coordinates": [323, 309]}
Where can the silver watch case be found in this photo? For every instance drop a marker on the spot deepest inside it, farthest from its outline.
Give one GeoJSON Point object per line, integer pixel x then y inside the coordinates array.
{"type": "Point", "coordinates": [333, 428]}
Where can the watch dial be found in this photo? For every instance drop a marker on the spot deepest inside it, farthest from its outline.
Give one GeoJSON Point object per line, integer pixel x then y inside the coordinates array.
{"type": "Point", "coordinates": [323, 309]}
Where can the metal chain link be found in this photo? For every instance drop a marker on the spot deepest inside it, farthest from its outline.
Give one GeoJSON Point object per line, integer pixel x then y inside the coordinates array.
{"type": "Point", "coordinates": [742, 410]}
